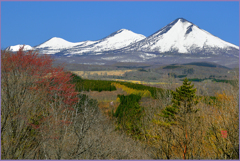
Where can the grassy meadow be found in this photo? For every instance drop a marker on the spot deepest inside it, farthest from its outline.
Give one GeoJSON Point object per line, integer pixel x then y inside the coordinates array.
{"type": "Point", "coordinates": [86, 74]}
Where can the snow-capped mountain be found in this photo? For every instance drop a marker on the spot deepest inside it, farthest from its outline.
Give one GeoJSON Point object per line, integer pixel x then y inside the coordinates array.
{"type": "Point", "coordinates": [180, 40]}
{"type": "Point", "coordinates": [182, 36]}
{"type": "Point", "coordinates": [56, 44]}
{"type": "Point", "coordinates": [17, 47]}
{"type": "Point", "coordinates": [116, 40]}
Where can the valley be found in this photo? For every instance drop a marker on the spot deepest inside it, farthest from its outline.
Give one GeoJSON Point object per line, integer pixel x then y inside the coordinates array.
{"type": "Point", "coordinates": [123, 110]}
{"type": "Point", "coordinates": [213, 83]}
{"type": "Point", "coordinates": [201, 73]}
{"type": "Point", "coordinates": [171, 95]}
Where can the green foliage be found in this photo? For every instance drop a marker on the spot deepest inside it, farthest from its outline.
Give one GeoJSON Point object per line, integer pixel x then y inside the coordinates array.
{"type": "Point", "coordinates": [195, 79]}
{"type": "Point", "coordinates": [76, 78]}
{"type": "Point", "coordinates": [129, 114]}
{"type": "Point", "coordinates": [103, 85]}
{"type": "Point", "coordinates": [172, 75]}
{"type": "Point", "coordinates": [142, 70]}
{"type": "Point", "coordinates": [93, 85]}
{"type": "Point", "coordinates": [210, 100]}
{"type": "Point", "coordinates": [172, 67]}
{"type": "Point", "coordinates": [205, 64]}
{"type": "Point", "coordinates": [183, 100]}
{"type": "Point", "coordinates": [168, 112]}
{"type": "Point", "coordinates": [181, 76]}
{"type": "Point", "coordinates": [181, 115]}
{"type": "Point", "coordinates": [84, 101]}
{"type": "Point", "coordinates": [232, 82]}
{"type": "Point", "coordinates": [188, 71]}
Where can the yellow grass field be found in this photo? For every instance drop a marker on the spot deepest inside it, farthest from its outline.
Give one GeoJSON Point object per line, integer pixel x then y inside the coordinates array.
{"type": "Point", "coordinates": [85, 74]}
{"type": "Point", "coordinates": [139, 82]}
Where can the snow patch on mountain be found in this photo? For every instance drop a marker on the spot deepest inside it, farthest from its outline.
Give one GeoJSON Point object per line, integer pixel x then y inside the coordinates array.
{"type": "Point", "coordinates": [112, 58]}
{"type": "Point", "coordinates": [17, 47]}
{"type": "Point", "coordinates": [116, 40]}
{"type": "Point", "coordinates": [57, 43]}
{"type": "Point", "coordinates": [130, 60]}
{"type": "Point", "coordinates": [180, 36]}
{"type": "Point", "coordinates": [147, 56]}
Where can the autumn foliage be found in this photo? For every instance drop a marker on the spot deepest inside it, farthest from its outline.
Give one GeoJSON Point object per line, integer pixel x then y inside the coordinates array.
{"type": "Point", "coordinates": [52, 80]}
{"type": "Point", "coordinates": [190, 127]}
{"type": "Point", "coordinates": [36, 99]}
{"type": "Point", "coordinates": [43, 116]}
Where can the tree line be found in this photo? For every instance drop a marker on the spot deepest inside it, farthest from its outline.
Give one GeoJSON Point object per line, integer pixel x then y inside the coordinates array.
{"type": "Point", "coordinates": [183, 125]}
{"type": "Point", "coordinates": [44, 116]}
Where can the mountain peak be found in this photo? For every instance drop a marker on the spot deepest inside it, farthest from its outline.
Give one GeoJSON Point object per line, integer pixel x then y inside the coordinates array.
{"type": "Point", "coordinates": [17, 47]}
{"type": "Point", "coordinates": [182, 19]}
{"type": "Point", "coordinates": [55, 42]}
{"type": "Point", "coordinates": [119, 31]}
{"type": "Point", "coordinates": [57, 39]}
{"type": "Point", "coordinates": [118, 39]}
{"type": "Point", "coordinates": [182, 36]}
{"type": "Point", "coordinates": [125, 34]}
{"type": "Point", "coordinates": [179, 36]}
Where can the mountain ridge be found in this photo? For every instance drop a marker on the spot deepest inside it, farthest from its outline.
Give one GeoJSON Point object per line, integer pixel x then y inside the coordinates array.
{"type": "Point", "coordinates": [180, 40]}
{"type": "Point", "coordinates": [179, 36]}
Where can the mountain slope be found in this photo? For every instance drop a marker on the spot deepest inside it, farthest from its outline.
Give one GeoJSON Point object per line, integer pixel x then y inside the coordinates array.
{"type": "Point", "coordinates": [182, 36]}
{"type": "Point", "coordinates": [179, 41]}
{"type": "Point", "coordinates": [15, 48]}
{"type": "Point", "coordinates": [116, 40]}
{"type": "Point", "coordinates": [56, 44]}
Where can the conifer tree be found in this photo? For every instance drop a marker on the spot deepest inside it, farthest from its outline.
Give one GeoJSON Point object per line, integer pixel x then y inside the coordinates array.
{"type": "Point", "coordinates": [182, 102]}
{"type": "Point", "coordinates": [181, 117]}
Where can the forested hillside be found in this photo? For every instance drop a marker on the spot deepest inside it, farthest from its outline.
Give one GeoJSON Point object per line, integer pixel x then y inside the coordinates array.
{"type": "Point", "coordinates": [50, 113]}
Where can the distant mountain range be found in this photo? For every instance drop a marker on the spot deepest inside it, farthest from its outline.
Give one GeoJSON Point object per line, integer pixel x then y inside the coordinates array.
{"type": "Point", "coordinates": [116, 40]}
{"type": "Point", "coordinates": [179, 39]}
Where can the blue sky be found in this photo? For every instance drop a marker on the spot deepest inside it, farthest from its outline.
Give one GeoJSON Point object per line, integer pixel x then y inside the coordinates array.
{"type": "Point", "coordinates": [32, 23]}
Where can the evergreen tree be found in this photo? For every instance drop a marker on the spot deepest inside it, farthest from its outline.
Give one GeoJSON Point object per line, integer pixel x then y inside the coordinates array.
{"type": "Point", "coordinates": [129, 114]}
{"type": "Point", "coordinates": [183, 101]}
{"type": "Point", "coordinates": [181, 116]}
